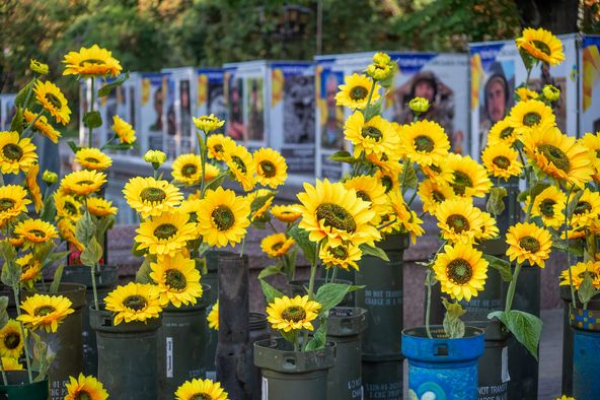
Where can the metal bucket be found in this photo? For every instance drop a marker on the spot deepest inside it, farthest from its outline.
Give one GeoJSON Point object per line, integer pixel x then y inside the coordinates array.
{"type": "Point", "coordinates": [382, 377]}
{"type": "Point", "coordinates": [211, 278]}
{"type": "Point", "coordinates": [17, 387]}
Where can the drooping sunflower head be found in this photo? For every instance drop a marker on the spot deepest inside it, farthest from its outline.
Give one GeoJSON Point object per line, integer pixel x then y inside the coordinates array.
{"type": "Point", "coordinates": [216, 144]}
{"type": "Point", "coordinates": [433, 193]}
{"type": "Point", "coordinates": [31, 270]}
{"type": "Point", "coordinates": [524, 94]}
{"type": "Point", "coordinates": [32, 185]}
{"type": "Point", "coordinates": [287, 314]}
{"type": "Point", "coordinates": [66, 228]}
{"type": "Point", "coordinates": [587, 209]}
{"type": "Point", "coordinates": [541, 45]}
{"type": "Point", "coordinates": [459, 220]}
{"type": "Point", "coordinates": [42, 125]}
{"type": "Point", "coordinates": [187, 169]}
{"type": "Point", "coordinates": [213, 316]}
{"type": "Point", "coordinates": [178, 280]}
{"type": "Point", "coordinates": [151, 197]}
{"type": "Point", "coordinates": [16, 154]}
{"type": "Point", "coordinates": [166, 233]}
{"type": "Point", "coordinates": [461, 270]}
{"type": "Point", "coordinates": [240, 164]}
{"type": "Point", "coordinates": [82, 183]}
{"type": "Point", "coordinates": [528, 242]}
{"type": "Point", "coordinates": [501, 161]}
{"type": "Point", "coordinates": [67, 206]}
{"type": "Point", "coordinates": [592, 143]}
{"type": "Point", "coordinates": [11, 340]}
{"type": "Point", "coordinates": [578, 272]}
{"type": "Point", "coordinates": [92, 158]}
{"type": "Point", "coordinates": [100, 207]}
{"type": "Point", "coordinates": [549, 205]}
{"type": "Point", "coordinates": [527, 116]}
{"type": "Point", "coordinates": [53, 101]}
{"type": "Point", "coordinates": [271, 168]}
{"type": "Point", "coordinates": [260, 201]}
{"type": "Point", "coordinates": [424, 142]}
{"type": "Point", "coordinates": [85, 388]}
{"type": "Point", "coordinates": [371, 190]}
{"type": "Point", "coordinates": [502, 132]}
{"type": "Point", "coordinates": [407, 220]}
{"type": "Point", "coordinates": [42, 311]}
{"type": "Point", "coordinates": [354, 93]}
{"type": "Point", "coordinates": [468, 177]}
{"type": "Point", "coordinates": [489, 229]}
{"type": "Point", "coordinates": [276, 245]}
{"type": "Point", "coordinates": [134, 302]}
{"type": "Point", "coordinates": [123, 130]}
{"type": "Point", "coordinates": [389, 180]}
{"type": "Point", "coordinates": [13, 202]}
{"type": "Point", "coordinates": [223, 217]}
{"type": "Point", "coordinates": [376, 136]}
{"type": "Point", "coordinates": [91, 62]}
{"type": "Point", "coordinates": [286, 213]}
{"type": "Point", "coordinates": [343, 256]}
{"type": "Point", "coordinates": [35, 231]}
{"type": "Point", "coordinates": [201, 389]}
{"type": "Point", "coordinates": [208, 123]}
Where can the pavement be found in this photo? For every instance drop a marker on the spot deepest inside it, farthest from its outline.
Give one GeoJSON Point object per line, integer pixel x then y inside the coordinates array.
{"type": "Point", "coordinates": [550, 377]}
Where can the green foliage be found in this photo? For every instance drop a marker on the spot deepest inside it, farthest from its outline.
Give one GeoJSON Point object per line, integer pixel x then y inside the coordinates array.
{"type": "Point", "coordinates": [526, 328]}
{"type": "Point", "coordinates": [319, 337]}
{"type": "Point", "coordinates": [586, 290]}
{"type": "Point", "coordinates": [269, 291]}
{"type": "Point", "coordinates": [373, 251]}
{"type": "Point", "coordinates": [495, 203]}
{"type": "Point", "coordinates": [92, 119]}
{"type": "Point", "coordinates": [343, 156]}
{"type": "Point", "coordinates": [331, 294]}
{"type": "Point", "coordinates": [3, 313]}
{"type": "Point", "coordinates": [502, 266]}
{"type": "Point", "coordinates": [453, 326]}
{"type": "Point", "coordinates": [309, 248]}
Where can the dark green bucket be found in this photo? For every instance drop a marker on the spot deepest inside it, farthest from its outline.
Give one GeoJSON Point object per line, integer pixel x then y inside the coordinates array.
{"type": "Point", "coordinates": [106, 280]}
{"type": "Point", "coordinates": [183, 341]}
{"type": "Point", "coordinates": [127, 356]}
{"type": "Point", "coordinates": [18, 388]}
{"type": "Point", "coordinates": [258, 331]}
{"type": "Point", "coordinates": [493, 365]}
{"type": "Point", "coordinates": [383, 377]}
{"type": "Point", "coordinates": [290, 375]}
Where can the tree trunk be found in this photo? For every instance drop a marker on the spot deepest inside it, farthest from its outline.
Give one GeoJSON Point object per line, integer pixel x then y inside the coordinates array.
{"type": "Point", "coordinates": [557, 16]}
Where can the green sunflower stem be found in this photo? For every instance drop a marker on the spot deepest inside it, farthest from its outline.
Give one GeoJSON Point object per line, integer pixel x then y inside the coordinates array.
{"type": "Point", "coordinates": [334, 274]}
{"type": "Point", "coordinates": [25, 346]}
{"type": "Point", "coordinates": [30, 91]}
{"type": "Point", "coordinates": [428, 305]}
{"type": "Point", "coordinates": [311, 285]}
{"type": "Point", "coordinates": [203, 155]}
{"type": "Point", "coordinates": [4, 379]}
{"type": "Point", "coordinates": [405, 162]}
{"type": "Point", "coordinates": [511, 288]}
{"type": "Point", "coordinates": [90, 132]}
{"type": "Point", "coordinates": [30, 127]}
{"type": "Point", "coordinates": [94, 289]}
{"type": "Point", "coordinates": [567, 224]}
{"type": "Point", "coordinates": [370, 97]}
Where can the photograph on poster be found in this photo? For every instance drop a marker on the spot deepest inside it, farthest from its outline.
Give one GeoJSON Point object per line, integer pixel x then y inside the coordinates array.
{"type": "Point", "coordinates": [171, 144]}
{"type": "Point", "coordinates": [590, 85]}
{"type": "Point", "coordinates": [9, 113]}
{"type": "Point", "coordinates": [235, 125]}
{"type": "Point", "coordinates": [558, 107]}
{"type": "Point", "coordinates": [299, 109]}
{"type": "Point", "coordinates": [185, 106]}
{"type": "Point", "coordinates": [332, 116]}
{"type": "Point", "coordinates": [256, 120]}
{"type": "Point", "coordinates": [151, 112]}
{"type": "Point", "coordinates": [216, 101]}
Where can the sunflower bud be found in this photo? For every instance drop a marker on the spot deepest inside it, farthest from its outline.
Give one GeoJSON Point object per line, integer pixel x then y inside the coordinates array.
{"type": "Point", "coordinates": [419, 105]}
{"type": "Point", "coordinates": [38, 67]}
{"type": "Point", "coordinates": [208, 123]}
{"type": "Point", "coordinates": [49, 177]}
{"type": "Point", "coordinates": [381, 58]}
{"type": "Point", "coordinates": [551, 92]}
{"type": "Point", "coordinates": [155, 157]}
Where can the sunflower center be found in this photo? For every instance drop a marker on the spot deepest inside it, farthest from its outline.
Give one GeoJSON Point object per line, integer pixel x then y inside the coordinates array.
{"type": "Point", "coordinates": [70, 208]}
{"type": "Point", "coordinates": [82, 395]}
{"type": "Point", "coordinates": [52, 99]}
{"type": "Point", "coordinates": [92, 160]}
{"type": "Point", "coordinates": [435, 168]}
{"type": "Point", "coordinates": [201, 396]}
{"type": "Point", "coordinates": [38, 233]}
{"type": "Point", "coordinates": [531, 119]}
{"type": "Point", "coordinates": [277, 246]}
{"type": "Point", "coordinates": [438, 197]}
{"type": "Point", "coordinates": [336, 216]}
{"type": "Point", "coordinates": [12, 151]}
{"type": "Point", "coordinates": [175, 279]}
{"type": "Point", "coordinates": [223, 217]}
{"type": "Point", "coordinates": [84, 183]}
{"type": "Point", "coordinates": [91, 61]}
{"type": "Point", "coordinates": [547, 208]}
{"type": "Point", "coordinates": [461, 182]}
{"type": "Point", "coordinates": [135, 302]}
{"type": "Point", "coordinates": [506, 132]}
{"type": "Point", "coordinates": [370, 132]}
{"type": "Point", "coordinates": [459, 271]}
{"type": "Point", "coordinates": [363, 195]}
{"type": "Point", "coordinates": [501, 162]}
{"type": "Point", "coordinates": [153, 195]}
{"type": "Point", "coordinates": [339, 252]}
{"type": "Point", "coordinates": [218, 148]}
{"type": "Point", "coordinates": [582, 207]}
{"type": "Point", "coordinates": [43, 311]}
{"type": "Point", "coordinates": [188, 170]}
{"type": "Point", "coordinates": [240, 163]}
{"type": "Point", "coordinates": [424, 143]}
{"type": "Point", "coordinates": [386, 181]}
{"type": "Point", "coordinates": [541, 46]}
{"type": "Point", "coordinates": [592, 274]}
{"type": "Point", "coordinates": [268, 169]}
{"type": "Point", "coordinates": [458, 222]}
{"type": "Point", "coordinates": [529, 243]}
{"type": "Point", "coordinates": [12, 340]}
{"type": "Point", "coordinates": [294, 313]}
{"type": "Point", "coordinates": [556, 156]}
{"type": "Point", "coordinates": [358, 93]}
{"type": "Point", "coordinates": [6, 204]}
{"type": "Point", "coordinates": [165, 231]}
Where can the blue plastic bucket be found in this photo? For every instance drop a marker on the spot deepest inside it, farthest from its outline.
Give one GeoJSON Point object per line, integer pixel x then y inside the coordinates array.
{"type": "Point", "coordinates": [586, 353]}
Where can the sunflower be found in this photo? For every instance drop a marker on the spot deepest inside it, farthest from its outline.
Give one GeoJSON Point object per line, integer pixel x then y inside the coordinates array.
{"type": "Point", "coordinates": [223, 217]}
{"type": "Point", "coordinates": [178, 280]}
{"type": "Point", "coordinates": [92, 158]}
{"type": "Point", "coordinates": [66, 228]}
{"type": "Point", "coordinates": [216, 145]}
{"type": "Point", "coordinates": [286, 314]}
{"type": "Point", "coordinates": [42, 126]}
{"type": "Point", "coordinates": [578, 272]}
{"type": "Point", "coordinates": [549, 205]}
{"type": "Point", "coordinates": [31, 270]}
{"type": "Point", "coordinates": [469, 178]}
{"type": "Point", "coordinates": [11, 340]}
{"type": "Point", "coordinates": [541, 45]}
{"type": "Point", "coordinates": [35, 231]}
{"type": "Point", "coordinates": [343, 256]}
{"type": "Point", "coordinates": [424, 141]}
{"type": "Point", "coordinates": [85, 388]}
{"type": "Point", "coordinates": [390, 181]}
{"type": "Point", "coordinates": [33, 187]}
{"type": "Point", "coordinates": [45, 312]}
{"type": "Point", "coordinates": [286, 213]}
{"type": "Point", "coordinates": [134, 302]}
{"type": "Point", "coordinates": [213, 317]}
{"type": "Point", "coordinates": [461, 270]}
{"type": "Point", "coordinates": [187, 169]}
{"type": "Point", "coordinates": [211, 172]}
{"type": "Point", "coordinates": [82, 183]}
{"type": "Point", "coordinates": [438, 171]}
{"type": "Point", "coordinates": [201, 389]}
{"type": "Point", "coordinates": [271, 168]}
{"type": "Point", "coordinates": [528, 242]}
{"type": "Point", "coordinates": [11, 364]}
{"type": "Point", "coordinates": [123, 130]}
{"type": "Point", "coordinates": [151, 197]}
{"type": "Point", "coordinates": [53, 101]}
{"type": "Point", "coordinates": [16, 154]}
{"type": "Point", "coordinates": [100, 207]}
{"type": "Point", "coordinates": [13, 202]}
{"type": "Point", "coordinates": [370, 189]}
{"type": "Point", "coordinates": [458, 220]}
{"type": "Point", "coordinates": [407, 219]}
{"type": "Point", "coordinates": [559, 156]}
{"type": "Point", "coordinates": [501, 161]}
{"type": "Point", "coordinates": [434, 193]}
{"type": "Point", "coordinates": [502, 132]}
{"type": "Point", "coordinates": [240, 164]}
{"type": "Point", "coordinates": [376, 136]}
{"type": "Point", "coordinates": [586, 210]}
{"type": "Point", "coordinates": [191, 208]}
{"type": "Point", "coordinates": [592, 143]}
{"type": "Point", "coordinates": [354, 93]}
{"type": "Point", "coordinates": [527, 116]}
{"type": "Point", "coordinates": [67, 206]}
{"type": "Point", "coordinates": [208, 123]}
{"type": "Point", "coordinates": [489, 229]}
{"type": "Point", "coordinates": [525, 94]}
{"type": "Point", "coordinates": [331, 211]}
{"type": "Point", "coordinates": [91, 62]}
{"type": "Point", "coordinates": [264, 199]}
{"type": "Point", "coordinates": [276, 245]}
{"type": "Point", "coordinates": [166, 233]}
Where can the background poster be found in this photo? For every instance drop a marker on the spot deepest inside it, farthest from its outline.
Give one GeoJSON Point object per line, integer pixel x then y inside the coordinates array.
{"type": "Point", "coordinates": [210, 94]}
{"type": "Point", "coordinates": [151, 111]}
{"type": "Point", "coordinates": [171, 120]}
{"type": "Point", "coordinates": [7, 110]}
{"type": "Point", "coordinates": [590, 85]}
{"type": "Point", "coordinates": [236, 128]}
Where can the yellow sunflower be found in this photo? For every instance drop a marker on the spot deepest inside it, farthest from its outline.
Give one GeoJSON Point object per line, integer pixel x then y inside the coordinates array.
{"type": "Point", "coordinates": [528, 242]}
{"type": "Point", "coordinates": [35, 231]}
{"type": "Point", "coordinates": [433, 193]}
{"type": "Point", "coordinates": [424, 141]}
{"type": "Point", "coordinates": [376, 136]}
{"type": "Point", "coordinates": [45, 312]}
{"type": "Point", "coordinates": [370, 189]}
{"type": "Point", "coordinates": [13, 202]}
{"type": "Point", "coordinates": [343, 256]}
{"type": "Point", "coordinates": [211, 172]}
{"type": "Point", "coordinates": [92, 158]}
{"type": "Point", "coordinates": [67, 206]}
{"type": "Point", "coordinates": [331, 211]}
{"type": "Point", "coordinates": [33, 187]}
{"type": "Point", "coordinates": [549, 205]}
{"type": "Point", "coordinates": [216, 145]}
{"type": "Point", "coordinates": [100, 207]}
{"type": "Point", "coordinates": [527, 116]}
{"type": "Point", "coordinates": [468, 177]}
{"type": "Point", "coordinates": [53, 101]}
{"type": "Point", "coordinates": [165, 234]}
{"type": "Point", "coordinates": [354, 93]}
{"type": "Point", "coordinates": [502, 133]}
{"type": "Point", "coordinates": [91, 62]}
{"type": "Point", "coordinates": [587, 210]}
{"type": "Point", "coordinates": [578, 272]}
{"type": "Point", "coordinates": [187, 169]}
{"type": "Point", "coordinates": [438, 171]}
{"type": "Point", "coordinates": [11, 340]}
{"type": "Point", "coordinates": [592, 143]}
{"type": "Point", "coordinates": [541, 45]}
{"type": "Point", "coordinates": [276, 245]}
{"type": "Point", "coordinates": [123, 130]}
{"type": "Point", "coordinates": [223, 217]}
{"type": "Point", "coordinates": [458, 220]}
{"type": "Point", "coordinates": [134, 302]}
{"type": "Point", "coordinates": [271, 168]}
{"type": "Point", "coordinates": [525, 94]}
{"type": "Point", "coordinates": [85, 387]}
{"type": "Point", "coordinates": [286, 213]}
{"type": "Point", "coordinates": [178, 280]}
{"type": "Point", "coordinates": [11, 364]}
{"type": "Point", "coordinates": [501, 161]}
{"type": "Point", "coordinates": [390, 181]}
{"type": "Point", "coordinates": [31, 270]}
{"type": "Point", "coordinates": [258, 197]}
{"type": "Point", "coordinates": [151, 197]}
{"type": "Point", "coordinates": [191, 208]}
{"type": "Point", "coordinates": [213, 317]}
{"type": "Point", "coordinates": [208, 123]}
{"type": "Point", "coordinates": [461, 270]}
{"type": "Point", "coordinates": [66, 227]}
{"type": "Point", "coordinates": [16, 154]}
{"type": "Point", "coordinates": [201, 389]}
{"type": "Point", "coordinates": [407, 219]}
{"type": "Point", "coordinates": [286, 314]}
{"type": "Point", "coordinates": [82, 183]}
{"type": "Point", "coordinates": [489, 229]}
{"type": "Point", "coordinates": [559, 156]}
{"type": "Point", "coordinates": [42, 126]}
{"type": "Point", "coordinates": [240, 164]}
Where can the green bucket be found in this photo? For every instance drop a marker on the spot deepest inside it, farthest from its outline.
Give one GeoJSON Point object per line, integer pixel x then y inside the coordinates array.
{"type": "Point", "coordinates": [383, 377]}
{"type": "Point", "coordinates": [17, 388]}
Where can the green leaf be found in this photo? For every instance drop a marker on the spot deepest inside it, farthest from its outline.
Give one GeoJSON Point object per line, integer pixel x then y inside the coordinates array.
{"type": "Point", "coordinates": [271, 270]}
{"type": "Point", "coordinates": [73, 146]}
{"type": "Point", "coordinates": [495, 203]}
{"type": "Point", "coordinates": [103, 224]}
{"type": "Point", "coordinates": [118, 147]}
{"type": "Point", "coordinates": [309, 248]}
{"type": "Point", "coordinates": [269, 291]}
{"type": "Point", "coordinates": [42, 251]}
{"type": "Point", "coordinates": [373, 251]}
{"type": "Point", "coordinates": [85, 228]}
{"type": "Point", "coordinates": [260, 201]}
{"type": "Point", "coordinates": [216, 182]}
{"type": "Point", "coordinates": [92, 119]}
{"type": "Point", "coordinates": [319, 337]}
{"type": "Point", "coordinates": [48, 209]}
{"type": "Point", "coordinates": [22, 95]}
{"type": "Point", "coordinates": [331, 294]}
{"type": "Point", "coordinates": [11, 271]}
{"type": "Point", "coordinates": [573, 204]}
{"type": "Point", "coordinates": [143, 273]}
{"type": "Point", "coordinates": [92, 253]}
{"type": "Point", "coordinates": [42, 356]}
{"type": "Point", "coordinates": [374, 109]}
{"type": "Point", "coordinates": [534, 191]}
{"type": "Point", "coordinates": [55, 257]}
{"type": "Point", "coordinates": [343, 156]}
{"type": "Point", "coordinates": [561, 246]}
{"type": "Point", "coordinates": [16, 124]}
{"type": "Point", "coordinates": [500, 265]}
{"type": "Point", "coordinates": [3, 313]}
{"type": "Point", "coordinates": [135, 251]}
{"type": "Point", "coordinates": [586, 290]}
{"type": "Point", "coordinates": [106, 89]}
{"type": "Point", "coordinates": [453, 326]}
{"type": "Point", "coordinates": [526, 328]}
{"type": "Point", "coordinates": [410, 176]}
{"type": "Point", "coordinates": [57, 278]}
{"type": "Point", "coordinates": [7, 250]}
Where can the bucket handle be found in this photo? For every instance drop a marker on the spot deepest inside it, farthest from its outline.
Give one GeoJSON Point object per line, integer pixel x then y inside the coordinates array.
{"type": "Point", "coordinates": [441, 350]}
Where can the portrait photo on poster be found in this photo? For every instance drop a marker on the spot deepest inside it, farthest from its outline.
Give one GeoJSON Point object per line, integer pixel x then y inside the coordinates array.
{"type": "Point", "coordinates": [299, 109]}
{"type": "Point", "coordinates": [332, 115]}
{"type": "Point", "coordinates": [235, 125]}
{"type": "Point", "coordinates": [255, 102]}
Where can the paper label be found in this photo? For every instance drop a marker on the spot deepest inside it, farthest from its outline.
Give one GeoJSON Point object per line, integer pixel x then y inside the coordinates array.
{"type": "Point", "coordinates": [265, 389]}
{"type": "Point", "coordinates": [505, 375]}
{"type": "Point", "coordinates": [169, 346]}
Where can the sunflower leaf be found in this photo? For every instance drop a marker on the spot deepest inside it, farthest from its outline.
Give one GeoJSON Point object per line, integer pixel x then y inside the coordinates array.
{"type": "Point", "coordinates": [143, 273]}
{"type": "Point", "coordinates": [106, 89]}
{"type": "Point", "coordinates": [42, 356]}
{"type": "Point", "coordinates": [48, 209]}
{"type": "Point", "coordinates": [373, 110]}
{"type": "Point", "coordinates": [526, 327]}
{"type": "Point", "coordinates": [306, 245]}
{"type": "Point", "coordinates": [331, 294]}
{"type": "Point", "coordinates": [453, 325]}
{"type": "Point", "coordinates": [3, 313]}
{"type": "Point", "coordinates": [16, 124]}
{"type": "Point", "coordinates": [73, 146]}
{"type": "Point", "coordinates": [92, 119]}
{"type": "Point", "coordinates": [573, 204]}
{"type": "Point", "coordinates": [271, 270]}
{"type": "Point", "coordinates": [103, 224]}
{"type": "Point", "coordinates": [85, 228]}
{"type": "Point", "coordinates": [216, 182]}
{"type": "Point", "coordinates": [343, 156]}
{"type": "Point", "coordinates": [561, 246]}
{"type": "Point", "coordinates": [260, 201]}
{"type": "Point", "coordinates": [586, 290]}
{"type": "Point", "coordinates": [269, 291]}
{"type": "Point", "coordinates": [495, 204]}
{"type": "Point", "coordinates": [373, 251]}
{"type": "Point", "coordinates": [92, 253]}
{"type": "Point", "coordinates": [57, 278]}
{"type": "Point", "coordinates": [118, 147]}
{"type": "Point", "coordinates": [500, 265]}
{"type": "Point", "coordinates": [409, 177]}
{"type": "Point", "coordinates": [22, 95]}
{"type": "Point", "coordinates": [318, 339]}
